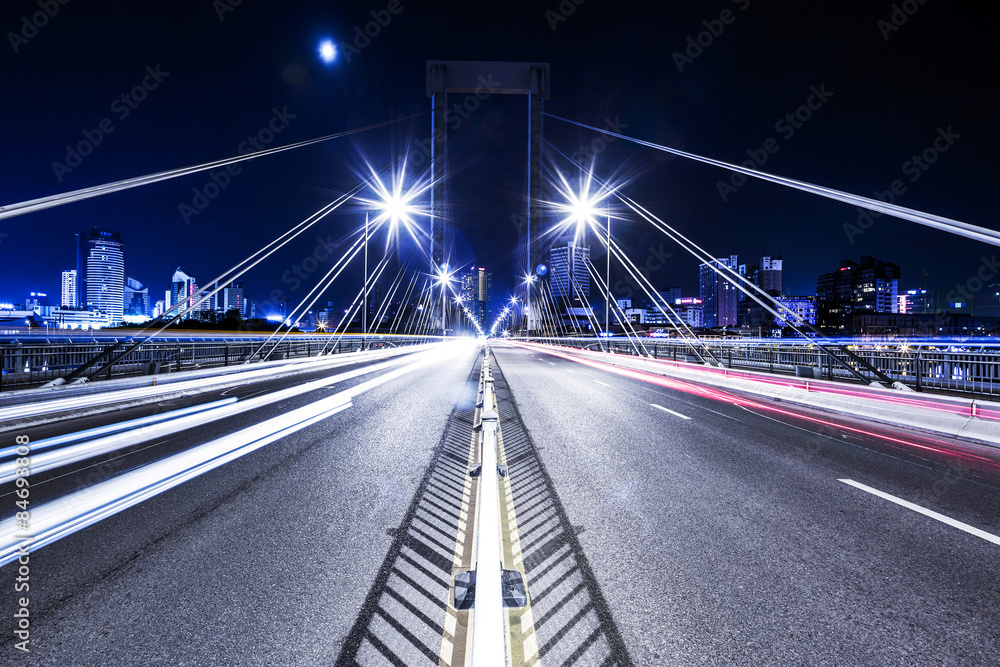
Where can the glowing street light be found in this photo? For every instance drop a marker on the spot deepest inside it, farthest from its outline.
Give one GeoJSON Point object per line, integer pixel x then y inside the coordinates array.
{"type": "Point", "coordinates": [396, 205]}
{"type": "Point", "coordinates": [528, 282]}
{"type": "Point", "coordinates": [581, 208]}
{"type": "Point", "coordinates": [444, 278]}
{"type": "Point", "coordinates": [396, 202]}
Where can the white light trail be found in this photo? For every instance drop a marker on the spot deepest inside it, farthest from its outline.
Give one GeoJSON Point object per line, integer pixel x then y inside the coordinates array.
{"type": "Point", "coordinates": [113, 442]}
{"type": "Point", "coordinates": [269, 370]}
{"type": "Point", "coordinates": [48, 443]}
{"type": "Point", "coordinates": [64, 516]}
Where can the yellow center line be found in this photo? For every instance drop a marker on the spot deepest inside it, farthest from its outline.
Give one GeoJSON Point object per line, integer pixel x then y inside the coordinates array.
{"type": "Point", "coordinates": [456, 640]}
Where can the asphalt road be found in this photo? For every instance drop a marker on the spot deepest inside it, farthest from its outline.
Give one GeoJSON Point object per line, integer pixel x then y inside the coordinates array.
{"type": "Point", "coordinates": [658, 526]}
{"type": "Point", "coordinates": [264, 561]}
{"type": "Point", "coordinates": [721, 535]}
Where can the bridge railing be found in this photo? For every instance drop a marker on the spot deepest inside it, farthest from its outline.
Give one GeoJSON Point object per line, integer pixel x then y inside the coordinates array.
{"type": "Point", "coordinates": [960, 372]}
{"type": "Point", "coordinates": [31, 363]}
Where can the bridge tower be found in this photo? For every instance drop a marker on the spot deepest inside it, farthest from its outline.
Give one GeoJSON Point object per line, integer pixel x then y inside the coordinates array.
{"type": "Point", "coordinates": [486, 78]}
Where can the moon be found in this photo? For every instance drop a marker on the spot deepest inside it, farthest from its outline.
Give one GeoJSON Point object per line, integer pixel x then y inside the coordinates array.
{"type": "Point", "coordinates": [327, 51]}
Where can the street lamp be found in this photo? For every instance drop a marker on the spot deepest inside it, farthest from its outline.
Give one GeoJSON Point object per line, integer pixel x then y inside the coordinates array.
{"type": "Point", "coordinates": [528, 281]}
{"type": "Point", "coordinates": [581, 209]}
{"type": "Point", "coordinates": [364, 299]}
{"type": "Point", "coordinates": [458, 302]}
{"type": "Point", "coordinates": [396, 205]}
{"type": "Point", "coordinates": [445, 278]}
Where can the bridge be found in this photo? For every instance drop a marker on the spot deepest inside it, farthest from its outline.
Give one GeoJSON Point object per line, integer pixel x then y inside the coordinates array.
{"type": "Point", "coordinates": [415, 488]}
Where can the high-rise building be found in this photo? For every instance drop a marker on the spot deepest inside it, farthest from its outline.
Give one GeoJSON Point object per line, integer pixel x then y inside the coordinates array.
{"type": "Point", "coordinates": [670, 295]}
{"type": "Point", "coordinates": [100, 272]}
{"type": "Point", "coordinates": [569, 277]}
{"type": "Point", "coordinates": [233, 298]}
{"type": "Point", "coordinates": [477, 294]}
{"type": "Point", "coordinates": [871, 286]}
{"type": "Point", "coordinates": [768, 275]}
{"type": "Point", "coordinates": [136, 301]}
{"type": "Point", "coordinates": [718, 296]}
{"type": "Point", "coordinates": [691, 311]}
{"type": "Point", "coordinates": [182, 291]}
{"type": "Point", "coordinates": [914, 302]}
{"type": "Point", "coordinates": [69, 289]}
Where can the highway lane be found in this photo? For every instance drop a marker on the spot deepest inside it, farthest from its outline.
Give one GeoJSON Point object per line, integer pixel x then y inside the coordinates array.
{"type": "Point", "coordinates": [266, 560]}
{"type": "Point", "coordinates": [54, 483]}
{"type": "Point", "coordinates": [721, 535]}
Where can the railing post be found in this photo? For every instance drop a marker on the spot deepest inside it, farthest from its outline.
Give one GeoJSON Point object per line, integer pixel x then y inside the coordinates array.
{"type": "Point", "coordinates": [489, 626]}
{"type": "Point", "coordinates": [109, 365]}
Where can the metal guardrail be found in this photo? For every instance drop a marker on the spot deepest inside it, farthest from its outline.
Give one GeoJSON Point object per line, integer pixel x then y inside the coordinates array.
{"type": "Point", "coordinates": [29, 363]}
{"type": "Point", "coordinates": [919, 367]}
{"type": "Point", "coordinates": [489, 631]}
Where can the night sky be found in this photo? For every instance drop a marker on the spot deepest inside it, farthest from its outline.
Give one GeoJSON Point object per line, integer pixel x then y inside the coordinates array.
{"type": "Point", "coordinates": [223, 70]}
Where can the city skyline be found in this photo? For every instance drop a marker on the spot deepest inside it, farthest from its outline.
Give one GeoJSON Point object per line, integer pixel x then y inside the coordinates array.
{"type": "Point", "coordinates": [936, 156]}
{"type": "Point", "coordinates": [718, 304]}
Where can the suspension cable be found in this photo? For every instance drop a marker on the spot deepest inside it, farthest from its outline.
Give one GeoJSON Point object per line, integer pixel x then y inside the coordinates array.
{"type": "Point", "coordinates": [949, 225]}
{"type": "Point", "coordinates": [32, 205]}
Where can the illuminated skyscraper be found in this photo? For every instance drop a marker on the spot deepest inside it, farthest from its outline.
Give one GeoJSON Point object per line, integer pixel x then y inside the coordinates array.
{"type": "Point", "coordinates": [182, 291]}
{"type": "Point", "coordinates": [569, 276]}
{"type": "Point", "coordinates": [234, 299]}
{"type": "Point", "coordinates": [477, 294]}
{"type": "Point", "coordinates": [719, 296]}
{"type": "Point", "coordinates": [100, 272]}
{"type": "Point", "coordinates": [136, 300]}
{"type": "Point", "coordinates": [69, 288]}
